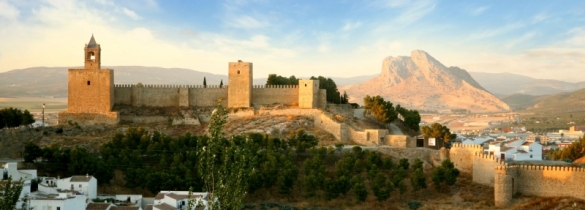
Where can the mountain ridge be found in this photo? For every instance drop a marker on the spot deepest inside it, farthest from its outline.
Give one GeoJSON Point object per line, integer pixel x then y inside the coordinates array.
{"type": "Point", "coordinates": [422, 82]}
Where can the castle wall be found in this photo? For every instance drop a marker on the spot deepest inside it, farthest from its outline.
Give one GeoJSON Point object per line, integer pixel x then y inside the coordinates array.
{"type": "Point", "coordinates": [281, 94]}
{"type": "Point", "coordinates": [462, 156]}
{"type": "Point", "coordinates": [548, 181]}
{"type": "Point", "coordinates": [483, 168]}
{"type": "Point", "coordinates": [207, 97]}
{"type": "Point", "coordinates": [110, 118]}
{"type": "Point", "coordinates": [399, 141]}
{"type": "Point", "coordinates": [169, 95]}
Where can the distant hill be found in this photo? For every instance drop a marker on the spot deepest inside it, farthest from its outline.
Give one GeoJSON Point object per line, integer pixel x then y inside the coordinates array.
{"type": "Point", "coordinates": [561, 102]}
{"type": "Point", "coordinates": [422, 82]}
{"type": "Point", "coordinates": [52, 81]}
{"type": "Point", "coordinates": [504, 84]}
{"type": "Point", "coordinates": [520, 101]}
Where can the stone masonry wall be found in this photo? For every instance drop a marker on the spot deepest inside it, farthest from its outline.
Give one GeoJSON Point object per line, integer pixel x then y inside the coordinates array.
{"type": "Point", "coordinates": [110, 118]}
{"type": "Point", "coordinates": [90, 90]}
{"type": "Point", "coordinates": [483, 168]}
{"type": "Point", "coordinates": [169, 95]}
{"type": "Point", "coordinates": [281, 94]}
{"type": "Point", "coordinates": [462, 156]}
{"type": "Point", "coordinates": [548, 181]}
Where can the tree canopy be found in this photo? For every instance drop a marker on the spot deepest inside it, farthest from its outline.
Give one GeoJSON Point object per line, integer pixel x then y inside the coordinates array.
{"type": "Point", "coordinates": [382, 110]}
{"type": "Point", "coordinates": [438, 132]}
{"type": "Point", "coordinates": [573, 152]}
{"type": "Point", "coordinates": [10, 193]}
{"type": "Point", "coordinates": [274, 79]}
{"type": "Point", "coordinates": [13, 117]}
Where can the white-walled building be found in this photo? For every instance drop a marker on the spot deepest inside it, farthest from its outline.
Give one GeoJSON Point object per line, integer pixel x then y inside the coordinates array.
{"type": "Point", "coordinates": [515, 149]}
{"type": "Point", "coordinates": [178, 200]}
{"type": "Point", "coordinates": [11, 170]}
{"type": "Point", "coordinates": [84, 184]}
{"type": "Point", "coordinates": [61, 201]}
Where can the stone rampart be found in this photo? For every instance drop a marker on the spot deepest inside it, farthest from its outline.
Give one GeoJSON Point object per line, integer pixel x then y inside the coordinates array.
{"type": "Point", "coordinates": [109, 118]}
{"type": "Point", "coordinates": [360, 137]}
{"type": "Point", "coordinates": [548, 181]}
{"type": "Point", "coordinates": [483, 168]}
{"type": "Point", "coordinates": [462, 156]}
{"type": "Point", "coordinates": [399, 141]}
{"type": "Point", "coordinates": [159, 95]}
{"type": "Point", "coordinates": [275, 94]}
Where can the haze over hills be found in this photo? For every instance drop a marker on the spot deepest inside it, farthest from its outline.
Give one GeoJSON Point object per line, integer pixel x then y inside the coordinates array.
{"type": "Point", "coordinates": [52, 81]}
{"type": "Point", "coordinates": [504, 84]}
{"type": "Point", "coordinates": [422, 82]}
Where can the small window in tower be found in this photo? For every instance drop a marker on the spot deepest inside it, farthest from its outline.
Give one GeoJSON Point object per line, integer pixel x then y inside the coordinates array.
{"type": "Point", "coordinates": [238, 71]}
{"type": "Point", "coordinates": [88, 82]}
{"type": "Point", "coordinates": [91, 56]}
{"type": "Point", "coordinates": [305, 85]}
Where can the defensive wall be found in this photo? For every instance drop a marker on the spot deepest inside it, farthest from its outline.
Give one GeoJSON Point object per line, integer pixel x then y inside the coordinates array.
{"type": "Point", "coordinates": [507, 180]}
{"type": "Point", "coordinates": [341, 131]}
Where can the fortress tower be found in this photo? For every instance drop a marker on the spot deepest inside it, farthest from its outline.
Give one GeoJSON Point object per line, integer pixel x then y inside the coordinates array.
{"type": "Point", "coordinates": [90, 91]}
{"type": "Point", "coordinates": [505, 185]}
{"type": "Point", "coordinates": [308, 93]}
{"type": "Point", "coordinates": [240, 84]}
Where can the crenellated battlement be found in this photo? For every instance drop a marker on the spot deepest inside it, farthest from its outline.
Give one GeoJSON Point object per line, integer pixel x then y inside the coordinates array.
{"type": "Point", "coordinates": [490, 157]}
{"type": "Point", "coordinates": [473, 146]}
{"type": "Point", "coordinates": [551, 168]}
{"type": "Point", "coordinates": [167, 86]}
{"type": "Point", "coordinates": [276, 86]}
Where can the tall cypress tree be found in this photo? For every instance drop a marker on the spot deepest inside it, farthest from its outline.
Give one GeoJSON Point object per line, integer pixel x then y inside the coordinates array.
{"type": "Point", "coordinates": [204, 82]}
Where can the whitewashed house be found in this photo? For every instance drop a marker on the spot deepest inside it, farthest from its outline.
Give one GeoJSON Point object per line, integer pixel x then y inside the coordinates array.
{"type": "Point", "coordinates": [63, 201]}
{"type": "Point", "coordinates": [165, 200]}
{"type": "Point", "coordinates": [84, 184]}
{"type": "Point", "coordinates": [515, 149]}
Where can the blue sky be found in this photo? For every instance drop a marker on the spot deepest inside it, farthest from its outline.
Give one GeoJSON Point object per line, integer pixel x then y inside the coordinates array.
{"type": "Point", "coordinates": [541, 39]}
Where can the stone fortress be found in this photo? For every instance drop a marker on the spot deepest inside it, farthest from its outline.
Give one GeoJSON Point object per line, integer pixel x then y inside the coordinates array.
{"type": "Point", "coordinates": [509, 180]}
{"type": "Point", "coordinates": [93, 94]}
{"type": "Point", "coordinates": [95, 99]}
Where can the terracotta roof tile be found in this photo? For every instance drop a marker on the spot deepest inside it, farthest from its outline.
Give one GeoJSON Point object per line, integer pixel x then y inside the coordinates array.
{"type": "Point", "coordinates": [164, 206]}
{"type": "Point", "coordinates": [148, 207]}
{"type": "Point", "coordinates": [97, 206]}
{"type": "Point", "coordinates": [80, 178]}
{"type": "Point", "coordinates": [125, 208]}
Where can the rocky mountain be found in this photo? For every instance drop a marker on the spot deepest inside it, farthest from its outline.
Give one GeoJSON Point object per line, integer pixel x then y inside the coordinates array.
{"type": "Point", "coordinates": [422, 82]}
{"type": "Point", "coordinates": [560, 103]}
{"type": "Point", "coordinates": [504, 84]}
{"type": "Point", "coordinates": [52, 81]}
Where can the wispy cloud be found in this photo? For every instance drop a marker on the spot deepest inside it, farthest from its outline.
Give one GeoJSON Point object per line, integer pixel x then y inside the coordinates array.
{"type": "Point", "coordinates": [540, 17]}
{"type": "Point", "coordinates": [131, 14]}
{"type": "Point", "coordinates": [351, 25]}
{"type": "Point", "coordinates": [413, 11]}
{"type": "Point", "coordinates": [525, 37]}
{"type": "Point", "coordinates": [245, 22]}
{"type": "Point", "coordinates": [492, 32]}
{"type": "Point", "coordinates": [577, 37]}
{"type": "Point", "coordinates": [478, 11]}
{"type": "Point", "coordinates": [8, 11]}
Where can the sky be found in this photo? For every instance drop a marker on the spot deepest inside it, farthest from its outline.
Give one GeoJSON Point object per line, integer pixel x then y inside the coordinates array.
{"type": "Point", "coordinates": [344, 38]}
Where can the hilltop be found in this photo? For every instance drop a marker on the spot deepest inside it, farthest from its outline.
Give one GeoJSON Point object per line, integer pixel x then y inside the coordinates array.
{"type": "Point", "coordinates": [422, 82]}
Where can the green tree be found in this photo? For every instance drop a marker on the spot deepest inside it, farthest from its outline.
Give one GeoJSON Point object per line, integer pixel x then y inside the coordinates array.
{"type": "Point", "coordinates": [226, 164]}
{"type": "Point", "coordinates": [274, 79]}
{"type": "Point", "coordinates": [418, 180]}
{"type": "Point", "coordinates": [27, 118]}
{"type": "Point", "coordinates": [360, 191]}
{"type": "Point", "coordinates": [10, 193]}
{"type": "Point", "coordinates": [574, 151]}
{"type": "Point", "coordinates": [221, 84]}
{"type": "Point", "coordinates": [204, 82]}
{"type": "Point", "coordinates": [438, 132]}
{"type": "Point", "coordinates": [32, 151]}
{"type": "Point", "coordinates": [446, 174]}
{"type": "Point", "coordinates": [383, 111]}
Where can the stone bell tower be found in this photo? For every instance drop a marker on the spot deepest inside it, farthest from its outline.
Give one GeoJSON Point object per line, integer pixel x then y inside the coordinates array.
{"type": "Point", "coordinates": [90, 91]}
{"type": "Point", "coordinates": [92, 54]}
